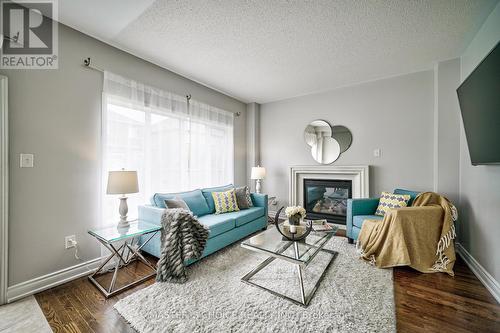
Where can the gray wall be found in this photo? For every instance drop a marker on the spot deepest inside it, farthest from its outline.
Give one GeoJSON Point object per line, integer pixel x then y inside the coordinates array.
{"type": "Point", "coordinates": [253, 140]}
{"type": "Point", "coordinates": [447, 129]}
{"type": "Point", "coordinates": [395, 115]}
{"type": "Point", "coordinates": [55, 114]}
{"type": "Point", "coordinates": [480, 185]}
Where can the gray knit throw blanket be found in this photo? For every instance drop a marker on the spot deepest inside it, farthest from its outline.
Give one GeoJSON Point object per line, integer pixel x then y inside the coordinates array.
{"type": "Point", "coordinates": [182, 238]}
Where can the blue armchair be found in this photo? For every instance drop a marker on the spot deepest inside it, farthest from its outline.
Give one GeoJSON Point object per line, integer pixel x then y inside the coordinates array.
{"type": "Point", "coordinates": [359, 210]}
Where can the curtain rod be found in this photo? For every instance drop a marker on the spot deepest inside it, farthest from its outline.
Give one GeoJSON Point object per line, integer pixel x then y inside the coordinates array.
{"type": "Point", "coordinates": [87, 62]}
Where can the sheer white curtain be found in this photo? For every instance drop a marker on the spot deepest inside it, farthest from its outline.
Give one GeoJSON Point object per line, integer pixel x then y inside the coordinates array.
{"type": "Point", "coordinates": [174, 145]}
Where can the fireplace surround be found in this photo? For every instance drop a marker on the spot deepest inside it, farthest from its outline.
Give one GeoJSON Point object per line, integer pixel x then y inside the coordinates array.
{"type": "Point", "coordinates": [357, 174]}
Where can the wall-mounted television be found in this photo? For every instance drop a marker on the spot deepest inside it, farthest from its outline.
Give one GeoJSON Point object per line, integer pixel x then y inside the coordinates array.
{"type": "Point", "coordinates": [479, 98]}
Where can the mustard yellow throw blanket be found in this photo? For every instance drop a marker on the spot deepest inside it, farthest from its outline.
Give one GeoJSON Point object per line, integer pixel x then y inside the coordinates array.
{"type": "Point", "coordinates": [420, 236]}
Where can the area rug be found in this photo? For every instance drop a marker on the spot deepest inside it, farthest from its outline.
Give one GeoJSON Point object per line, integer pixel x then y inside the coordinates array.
{"type": "Point", "coordinates": [23, 316]}
{"type": "Point", "coordinates": [352, 297]}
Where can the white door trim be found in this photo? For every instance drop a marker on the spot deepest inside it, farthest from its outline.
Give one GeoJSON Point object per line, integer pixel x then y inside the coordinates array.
{"type": "Point", "coordinates": [4, 189]}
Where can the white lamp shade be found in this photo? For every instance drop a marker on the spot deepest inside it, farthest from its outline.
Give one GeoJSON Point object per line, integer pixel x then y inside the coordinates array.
{"type": "Point", "coordinates": [122, 182]}
{"type": "Point", "coordinates": [258, 173]}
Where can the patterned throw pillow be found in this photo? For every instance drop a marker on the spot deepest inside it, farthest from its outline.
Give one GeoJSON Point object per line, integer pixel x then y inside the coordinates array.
{"type": "Point", "coordinates": [243, 197]}
{"type": "Point", "coordinates": [225, 202]}
{"type": "Point", "coordinates": [390, 201]}
{"type": "Point", "coordinates": [249, 198]}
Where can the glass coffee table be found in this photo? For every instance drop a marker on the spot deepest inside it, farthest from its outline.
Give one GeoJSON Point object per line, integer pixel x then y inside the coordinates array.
{"type": "Point", "coordinates": [300, 253]}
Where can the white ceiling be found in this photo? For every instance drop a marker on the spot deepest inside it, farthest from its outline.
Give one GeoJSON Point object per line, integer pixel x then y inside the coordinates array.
{"type": "Point", "coordinates": [267, 50]}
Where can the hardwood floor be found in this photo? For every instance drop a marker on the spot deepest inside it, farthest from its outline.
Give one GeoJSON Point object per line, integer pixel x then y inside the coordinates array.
{"type": "Point", "coordinates": [424, 303]}
{"type": "Point", "coordinates": [78, 306]}
{"type": "Point", "coordinates": [440, 303]}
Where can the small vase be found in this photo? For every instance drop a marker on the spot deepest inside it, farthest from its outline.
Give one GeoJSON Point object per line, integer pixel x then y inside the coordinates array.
{"type": "Point", "coordinates": [294, 220]}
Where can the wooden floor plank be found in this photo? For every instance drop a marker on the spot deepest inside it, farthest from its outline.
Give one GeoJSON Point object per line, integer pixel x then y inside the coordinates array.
{"type": "Point", "coordinates": [442, 303]}
{"type": "Point", "coordinates": [424, 303]}
{"type": "Point", "coordinates": [45, 301]}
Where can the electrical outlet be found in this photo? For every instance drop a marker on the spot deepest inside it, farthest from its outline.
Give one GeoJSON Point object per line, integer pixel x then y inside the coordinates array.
{"type": "Point", "coordinates": [69, 241]}
{"type": "Point", "coordinates": [26, 160]}
{"type": "Point", "coordinates": [376, 152]}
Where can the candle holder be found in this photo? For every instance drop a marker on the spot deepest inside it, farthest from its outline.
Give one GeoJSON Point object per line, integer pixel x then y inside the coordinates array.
{"type": "Point", "coordinates": [302, 230]}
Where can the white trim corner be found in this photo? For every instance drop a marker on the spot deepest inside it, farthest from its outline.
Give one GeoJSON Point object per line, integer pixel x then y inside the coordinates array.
{"type": "Point", "coordinates": [4, 188]}
{"type": "Point", "coordinates": [486, 279]}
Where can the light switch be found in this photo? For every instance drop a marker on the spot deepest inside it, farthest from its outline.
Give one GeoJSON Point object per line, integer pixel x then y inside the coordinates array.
{"type": "Point", "coordinates": [376, 152]}
{"type": "Point", "coordinates": [26, 160]}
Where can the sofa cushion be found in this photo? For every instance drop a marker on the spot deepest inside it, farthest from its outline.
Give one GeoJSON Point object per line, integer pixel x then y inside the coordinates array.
{"type": "Point", "coordinates": [207, 193]}
{"type": "Point", "coordinates": [248, 215]}
{"type": "Point", "coordinates": [357, 220]}
{"type": "Point", "coordinates": [194, 199]}
{"type": "Point", "coordinates": [218, 224]}
{"type": "Point", "coordinates": [412, 194]}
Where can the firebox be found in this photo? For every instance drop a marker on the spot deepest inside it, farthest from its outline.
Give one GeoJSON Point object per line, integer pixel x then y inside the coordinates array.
{"type": "Point", "coordinates": [327, 199]}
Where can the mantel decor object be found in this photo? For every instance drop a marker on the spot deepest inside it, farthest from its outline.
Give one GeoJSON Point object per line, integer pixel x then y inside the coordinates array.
{"type": "Point", "coordinates": [294, 229]}
{"type": "Point", "coordinates": [327, 142]}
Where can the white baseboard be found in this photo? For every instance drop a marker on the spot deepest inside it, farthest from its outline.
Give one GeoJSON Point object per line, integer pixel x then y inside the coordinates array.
{"type": "Point", "coordinates": [51, 280]}
{"type": "Point", "coordinates": [486, 279]}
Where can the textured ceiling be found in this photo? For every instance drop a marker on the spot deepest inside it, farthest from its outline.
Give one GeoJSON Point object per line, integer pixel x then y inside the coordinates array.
{"type": "Point", "coordinates": [262, 51]}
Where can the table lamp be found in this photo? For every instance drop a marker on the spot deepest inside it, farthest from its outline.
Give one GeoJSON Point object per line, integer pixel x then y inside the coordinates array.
{"type": "Point", "coordinates": [258, 173]}
{"type": "Point", "coordinates": [122, 182]}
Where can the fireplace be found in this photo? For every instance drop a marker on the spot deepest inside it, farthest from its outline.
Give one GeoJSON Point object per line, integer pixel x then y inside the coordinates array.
{"type": "Point", "coordinates": [327, 199]}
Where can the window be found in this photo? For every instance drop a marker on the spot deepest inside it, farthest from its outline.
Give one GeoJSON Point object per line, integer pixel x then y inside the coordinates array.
{"type": "Point", "coordinates": [173, 145]}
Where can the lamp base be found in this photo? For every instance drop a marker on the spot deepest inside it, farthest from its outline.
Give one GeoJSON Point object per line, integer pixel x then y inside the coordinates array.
{"type": "Point", "coordinates": [123, 224]}
{"type": "Point", "coordinates": [258, 186]}
{"type": "Point", "coordinates": [123, 209]}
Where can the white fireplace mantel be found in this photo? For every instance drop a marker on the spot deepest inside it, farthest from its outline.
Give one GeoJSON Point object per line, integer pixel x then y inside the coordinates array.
{"type": "Point", "coordinates": [358, 174]}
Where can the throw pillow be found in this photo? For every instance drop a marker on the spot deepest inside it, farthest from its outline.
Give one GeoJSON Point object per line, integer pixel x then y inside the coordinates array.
{"type": "Point", "coordinates": [249, 198]}
{"type": "Point", "coordinates": [243, 197]}
{"type": "Point", "coordinates": [176, 203]}
{"type": "Point", "coordinates": [225, 202]}
{"type": "Point", "coordinates": [390, 201]}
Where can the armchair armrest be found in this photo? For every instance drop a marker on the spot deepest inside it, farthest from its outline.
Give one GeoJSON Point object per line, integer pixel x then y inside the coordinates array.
{"type": "Point", "coordinates": [355, 207]}
{"type": "Point", "coordinates": [430, 217]}
{"type": "Point", "coordinates": [425, 213]}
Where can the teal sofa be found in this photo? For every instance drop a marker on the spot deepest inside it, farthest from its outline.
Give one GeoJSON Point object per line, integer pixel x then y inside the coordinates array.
{"type": "Point", "coordinates": [224, 229]}
{"type": "Point", "coordinates": [359, 210]}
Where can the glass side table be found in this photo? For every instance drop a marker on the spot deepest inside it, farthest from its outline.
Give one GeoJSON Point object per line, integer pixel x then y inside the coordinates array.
{"type": "Point", "coordinates": [126, 252]}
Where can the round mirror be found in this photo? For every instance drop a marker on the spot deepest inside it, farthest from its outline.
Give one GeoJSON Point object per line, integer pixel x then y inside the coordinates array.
{"type": "Point", "coordinates": [343, 137]}
{"type": "Point", "coordinates": [324, 148]}
{"type": "Point", "coordinates": [326, 151]}
{"type": "Point", "coordinates": [316, 128]}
